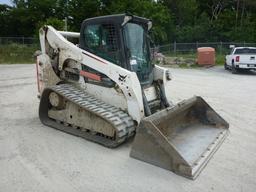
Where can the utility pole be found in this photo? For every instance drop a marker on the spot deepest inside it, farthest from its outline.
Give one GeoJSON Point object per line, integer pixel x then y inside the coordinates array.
{"type": "Point", "coordinates": [66, 16]}
{"type": "Point", "coordinates": [66, 24]}
{"type": "Point", "coordinates": [237, 12]}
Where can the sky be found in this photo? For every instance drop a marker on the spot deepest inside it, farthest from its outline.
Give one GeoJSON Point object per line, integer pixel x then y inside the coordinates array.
{"type": "Point", "coordinates": [8, 2]}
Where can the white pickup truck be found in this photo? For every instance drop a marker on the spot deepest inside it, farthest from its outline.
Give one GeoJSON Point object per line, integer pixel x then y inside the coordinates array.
{"type": "Point", "coordinates": [241, 58]}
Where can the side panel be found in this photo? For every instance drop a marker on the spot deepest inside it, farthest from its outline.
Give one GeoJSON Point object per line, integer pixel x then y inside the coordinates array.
{"type": "Point", "coordinates": [164, 75]}
{"type": "Point", "coordinates": [150, 93]}
{"type": "Point", "coordinates": [45, 75]}
{"type": "Point", "coordinates": [107, 95]}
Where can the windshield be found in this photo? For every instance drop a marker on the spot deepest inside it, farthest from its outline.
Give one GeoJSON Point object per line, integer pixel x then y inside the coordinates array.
{"type": "Point", "coordinates": [138, 50]}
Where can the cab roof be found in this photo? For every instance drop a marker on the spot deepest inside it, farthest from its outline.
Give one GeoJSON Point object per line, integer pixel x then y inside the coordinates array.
{"type": "Point", "coordinates": [117, 18]}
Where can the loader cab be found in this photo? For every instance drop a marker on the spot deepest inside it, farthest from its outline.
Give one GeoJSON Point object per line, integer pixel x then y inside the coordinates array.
{"type": "Point", "coordinates": [121, 39]}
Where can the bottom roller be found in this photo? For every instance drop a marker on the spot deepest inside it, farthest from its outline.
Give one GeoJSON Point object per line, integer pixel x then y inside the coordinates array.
{"type": "Point", "coordinates": [181, 138]}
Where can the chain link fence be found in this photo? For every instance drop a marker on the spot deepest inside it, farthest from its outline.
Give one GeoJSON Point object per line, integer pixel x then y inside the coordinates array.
{"type": "Point", "coordinates": [221, 48]}
{"type": "Point", "coordinates": [18, 49]}
{"type": "Point", "coordinates": [21, 49]}
{"type": "Point", "coordinates": [186, 53]}
{"type": "Point", "coordinates": [18, 40]}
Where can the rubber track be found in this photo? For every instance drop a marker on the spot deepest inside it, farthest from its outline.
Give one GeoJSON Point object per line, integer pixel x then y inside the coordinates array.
{"type": "Point", "coordinates": [121, 121]}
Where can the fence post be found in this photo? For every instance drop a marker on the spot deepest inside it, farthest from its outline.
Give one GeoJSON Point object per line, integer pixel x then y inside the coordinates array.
{"type": "Point", "coordinates": [221, 48]}
{"type": "Point", "coordinates": [174, 47]}
{"type": "Point", "coordinates": [23, 41]}
{"type": "Point", "coordinates": [197, 44]}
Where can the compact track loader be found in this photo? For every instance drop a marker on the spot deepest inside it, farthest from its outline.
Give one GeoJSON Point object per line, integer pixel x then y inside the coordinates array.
{"type": "Point", "coordinates": [106, 89]}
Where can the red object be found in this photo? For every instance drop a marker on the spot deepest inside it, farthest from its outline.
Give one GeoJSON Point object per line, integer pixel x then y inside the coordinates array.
{"type": "Point", "coordinates": [237, 58]}
{"type": "Point", "coordinates": [206, 56]}
{"type": "Point", "coordinates": [90, 75]}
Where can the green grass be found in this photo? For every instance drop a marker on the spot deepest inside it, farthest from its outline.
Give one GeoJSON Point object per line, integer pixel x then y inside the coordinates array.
{"type": "Point", "coordinates": [17, 53]}
{"type": "Point", "coordinates": [219, 59]}
{"type": "Point", "coordinates": [188, 66]}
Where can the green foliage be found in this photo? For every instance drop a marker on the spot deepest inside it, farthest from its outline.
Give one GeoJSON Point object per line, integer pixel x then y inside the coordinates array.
{"type": "Point", "coordinates": [80, 10]}
{"type": "Point", "coordinates": [56, 23]}
{"type": "Point", "coordinates": [173, 20]}
{"type": "Point", "coordinates": [158, 13]}
{"type": "Point", "coordinates": [220, 59]}
{"type": "Point", "coordinates": [213, 20]}
{"type": "Point", "coordinates": [17, 53]}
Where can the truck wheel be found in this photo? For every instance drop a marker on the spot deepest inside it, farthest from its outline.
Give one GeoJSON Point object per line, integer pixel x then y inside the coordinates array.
{"type": "Point", "coordinates": [233, 69]}
{"type": "Point", "coordinates": [225, 66]}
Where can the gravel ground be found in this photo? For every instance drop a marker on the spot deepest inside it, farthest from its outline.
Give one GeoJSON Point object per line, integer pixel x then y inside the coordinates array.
{"type": "Point", "coordinates": [38, 158]}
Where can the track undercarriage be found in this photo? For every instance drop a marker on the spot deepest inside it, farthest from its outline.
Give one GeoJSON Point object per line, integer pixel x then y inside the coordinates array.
{"type": "Point", "coordinates": [71, 110]}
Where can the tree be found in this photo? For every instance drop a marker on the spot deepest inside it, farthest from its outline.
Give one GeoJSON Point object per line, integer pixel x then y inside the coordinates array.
{"type": "Point", "coordinates": [173, 20]}
{"type": "Point", "coordinates": [80, 10]}
{"type": "Point", "coordinates": [150, 9]}
{"type": "Point", "coordinates": [184, 12]}
{"type": "Point", "coordinates": [4, 19]}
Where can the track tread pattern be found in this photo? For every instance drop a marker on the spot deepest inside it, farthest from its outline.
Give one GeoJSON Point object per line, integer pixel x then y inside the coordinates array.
{"type": "Point", "coordinates": [121, 121]}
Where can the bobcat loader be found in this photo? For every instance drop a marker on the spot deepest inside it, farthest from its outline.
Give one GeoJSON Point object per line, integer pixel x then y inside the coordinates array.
{"type": "Point", "coordinates": [106, 89]}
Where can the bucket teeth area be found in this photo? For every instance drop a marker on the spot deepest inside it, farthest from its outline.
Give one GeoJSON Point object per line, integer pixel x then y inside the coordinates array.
{"type": "Point", "coordinates": [181, 138]}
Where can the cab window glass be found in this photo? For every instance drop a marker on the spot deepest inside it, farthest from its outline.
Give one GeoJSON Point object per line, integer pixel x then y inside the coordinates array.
{"type": "Point", "coordinates": [102, 40]}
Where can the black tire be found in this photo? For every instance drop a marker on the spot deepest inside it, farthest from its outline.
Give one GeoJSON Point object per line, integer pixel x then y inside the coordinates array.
{"type": "Point", "coordinates": [244, 70]}
{"type": "Point", "coordinates": [233, 69]}
{"type": "Point", "coordinates": [225, 66]}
